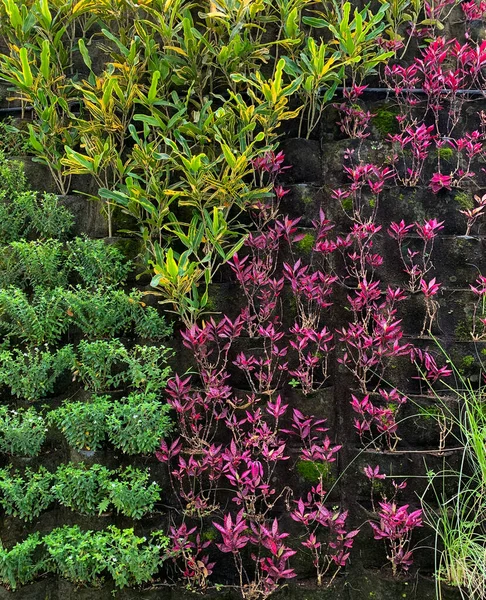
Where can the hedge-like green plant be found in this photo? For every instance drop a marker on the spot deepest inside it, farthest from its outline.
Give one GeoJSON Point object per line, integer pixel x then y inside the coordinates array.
{"type": "Point", "coordinates": [49, 218]}
{"type": "Point", "coordinates": [81, 488]}
{"type": "Point", "coordinates": [88, 490]}
{"type": "Point", "coordinates": [147, 368]}
{"type": "Point", "coordinates": [100, 313]}
{"type": "Point", "coordinates": [101, 365]}
{"type": "Point", "coordinates": [32, 375]}
{"type": "Point", "coordinates": [22, 432]}
{"type": "Point", "coordinates": [27, 496]}
{"type": "Point", "coordinates": [12, 178]}
{"type": "Point", "coordinates": [137, 424]}
{"type": "Point", "coordinates": [76, 555]}
{"type": "Point", "coordinates": [149, 323]}
{"type": "Point", "coordinates": [130, 559]}
{"type": "Point", "coordinates": [27, 214]}
{"type": "Point", "coordinates": [33, 264]}
{"type": "Point", "coordinates": [97, 263]}
{"type": "Point", "coordinates": [43, 320]}
{"type": "Point", "coordinates": [83, 557]}
{"type": "Point", "coordinates": [82, 423]}
{"type": "Point", "coordinates": [131, 493]}
{"type": "Point", "coordinates": [23, 563]}
{"type": "Point", "coordinates": [106, 312]}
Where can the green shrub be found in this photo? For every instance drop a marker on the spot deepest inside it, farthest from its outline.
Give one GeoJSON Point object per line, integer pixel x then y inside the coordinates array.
{"type": "Point", "coordinates": [12, 177]}
{"type": "Point", "coordinates": [147, 368]}
{"type": "Point", "coordinates": [34, 264]}
{"type": "Point", "coordinates": [137, 424]}
{"type": "Point", "coordinates": [11, 143]}
{"type": "Point", "coordinates": [82, 556]}
{"type": "Point", "coordinates": [49, 219]}
{"type": "Point", "coordinates": [97, 263]}
{"type": "Point", "coordinates": [101, 365]}
{"type": "Point", "coordinates": [78, 556]}
{"type": "Point", "coordinates": [13, 216]}
{"type": "Point", "coordinates": [33, 374]}
{"type": "Point", "coordinates": [22, 432]}
{"type": "Point", "coordinates": [42, 321]}
{"type": "Point", "coordinates": [132, 495]}
{"type": "Point", "coordinates": [100, 313]}
{"type": "Point", "coordinates": [82, 423]}
{"type": "Point", "coordinates": [106, 312]}
{"type": "Point", "coordinates": [27, 214]}
{"type": "Point", "coordinates": [28, 496]}
{"type": "Point", "coordinates": [81, 488]}
{"type": "Point", "coordinates": [129, 559]}
{"type": "Point", "coordinates": [23, 562]}
{"type": "Point", "coordinates": [148, 322]}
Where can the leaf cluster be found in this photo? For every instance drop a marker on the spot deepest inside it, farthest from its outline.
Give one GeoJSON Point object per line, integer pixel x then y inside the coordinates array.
{"type": "Point", "coordinates": [135, 424]}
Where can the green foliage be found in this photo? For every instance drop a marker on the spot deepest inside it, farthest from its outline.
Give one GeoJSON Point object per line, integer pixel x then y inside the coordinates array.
{"type": "Point", "coordinates": [42, 321]}
{"type": "Point", "coordinates": [149, 323]}
{"type": "Point", "coordinates": [313, 471]}
{"type": "Point", "coordinates": [445, 153]}
{"type": "Point", "coordinates": [82, 423]}
{"type": "Point", "coordinates": [28, 496]}
{"type": "Point", "coordinates": [131, 493]}
{"type": "Point", "coordinates": [101, 365]}
{"type": "Point", "coordinates": [86, 490]}
{"type": "Point", "coordinates": [25, 214]}
{"type": "Point", "coordinates": [33, 374]}
{"type": "Point", "coordinates": [11, 142]}
{"type": "Point", "coordinates": [14, 215]}
{"type": "Point", "coordinates": [385, 121]}
{"type": "Point", "coordinates": [147, 368]}
{"type": "Point", "coordinates": [12, 178]}
{"type": "Point", "coordinates": [129, 559]}
{"type": "Point", "coordinates": [23, 563]}
{"type": "Point", "coordinates": [33, 264]}
{"type": "Point", "coordinates": [83, 557]}
{"type": "Point", "coordinates": [49, 218]}
{"type": "Point", "coordinates": [81, 488]}
{"type": "Point", "coordinates": [464, 200]}
{"type": "Point", "coordinates": [76, 555]}
{"type": "Point", "coordinates": [105, 312]}
{"type": "Point", "coordinates": [137, 424]}
{"type": "Point", "coordinates": [97, 263]}
{"type": "Point", "coordinates": [306, 244]}
{"type": "Point", "coordinates": [101, 312]}
{"type": "Point", "coordinates": [22, 432]}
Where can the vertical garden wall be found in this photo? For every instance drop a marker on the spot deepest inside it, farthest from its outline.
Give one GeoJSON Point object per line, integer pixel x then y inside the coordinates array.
{"type": "Point", "coordinates": [242, 289]}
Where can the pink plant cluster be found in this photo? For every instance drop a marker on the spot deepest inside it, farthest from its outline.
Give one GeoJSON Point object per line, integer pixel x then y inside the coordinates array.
{"type": "Point", "coordinates": [238, 434]}
{"type": "Point", "coordinates": [430, 95]}
{"type": "Point", "coordinates": [238, 431]}
{"type": "Point", "coordinates": [228, 463]}
{"type": "Point", "coordinates": [396, 524]}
